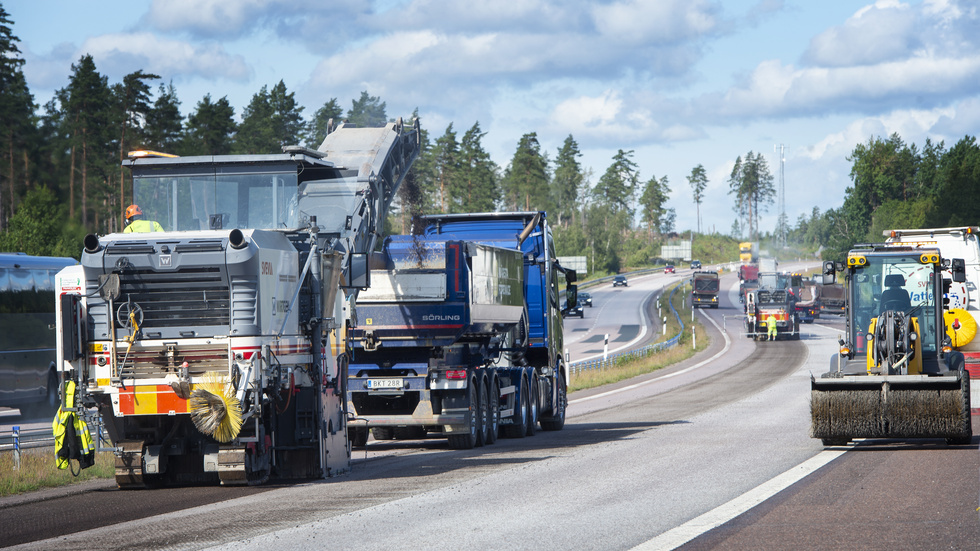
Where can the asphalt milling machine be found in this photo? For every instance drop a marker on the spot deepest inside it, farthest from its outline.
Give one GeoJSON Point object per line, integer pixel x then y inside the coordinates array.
{"type": "Point", "coordinates": [217, 349]}
{"type": "Point", "coordinates": [896, 375]}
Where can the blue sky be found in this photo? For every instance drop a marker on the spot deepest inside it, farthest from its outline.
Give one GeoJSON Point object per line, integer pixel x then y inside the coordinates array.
{"type": "Point", "coordinates": [679, 82]}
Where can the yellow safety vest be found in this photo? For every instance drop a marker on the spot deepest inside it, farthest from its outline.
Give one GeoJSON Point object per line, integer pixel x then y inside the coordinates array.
{"type": "Point", "coordinates": [72, 439]}
{"type": "Point", "coordinates": [143, 226]}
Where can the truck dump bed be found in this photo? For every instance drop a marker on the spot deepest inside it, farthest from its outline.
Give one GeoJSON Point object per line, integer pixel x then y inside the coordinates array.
{"type": "Point", "coordinates": [433, 294]}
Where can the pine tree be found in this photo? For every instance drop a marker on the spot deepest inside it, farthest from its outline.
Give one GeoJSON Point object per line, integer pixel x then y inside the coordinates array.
{"type": "Point", "coordinates": [699, 182]}
{"type": "Point", "coordinates": [164, 123]}
{"type": "Point", "coordinates": [257, 132]}
{"type": "Point", "coordinates": [367, 111]}
{"type": "Point", "coordinates": [87, 109]}
{"type": "Point", "coordinates": [446, 156]}
{"type": "Point", "coordinates": [16, 109]}
{"type": "Point", "coordinates": [475, 190]}
{"type": "Point", "coordinates": [568, 180]}
{"type": "Point", "coordinates": [287, 116]}
{"type": "Point", "coordinates": [132, 105]}
{"type": "Point", "coordinates": [526, 181]}
{"type": "Point", "coordinates": [316, 128]}
{"type": "Point", "coordinates": [617, 186]}
{"type": "Point", "coordinates": [210, 128]}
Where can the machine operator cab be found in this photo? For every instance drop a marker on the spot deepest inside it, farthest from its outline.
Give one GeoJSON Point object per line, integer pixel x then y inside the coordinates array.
{"type": "Point", "coordinates": [897, 281]}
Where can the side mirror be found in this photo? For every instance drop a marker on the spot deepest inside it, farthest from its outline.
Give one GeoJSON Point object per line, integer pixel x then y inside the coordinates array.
{"type": "Point", "coordinates": [958, 268]}
{"type": "Point", "coordinates": [358, 273]}
{"type": "Point", "coordinates": [829, 272]}
{"type": "Point", "coordinates": [571, 298]}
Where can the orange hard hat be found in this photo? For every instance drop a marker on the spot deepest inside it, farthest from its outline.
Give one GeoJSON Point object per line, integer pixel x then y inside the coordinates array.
{"type": "Point", "coordinates": [133, 210]}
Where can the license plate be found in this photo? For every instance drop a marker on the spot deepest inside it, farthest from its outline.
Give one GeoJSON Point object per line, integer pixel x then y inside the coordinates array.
{"type": "Point", "coordinates": [384, 383]}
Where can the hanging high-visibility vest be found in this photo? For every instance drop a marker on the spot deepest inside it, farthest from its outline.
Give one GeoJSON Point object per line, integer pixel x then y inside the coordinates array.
{"type": "Point", "coordinates": [72, 439]}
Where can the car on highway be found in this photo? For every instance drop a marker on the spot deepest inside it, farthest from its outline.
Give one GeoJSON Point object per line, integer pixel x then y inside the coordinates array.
{"type": "Point", "coordinates": [669, 269]}
{"type": "Point", "coordinates": [585, 299]}
{"type": "Point", "coordinates": [695, 264]}
{"type": "Point", "coordinates": [619, 280]}
{"type": "Point", "coordinates": [576, 312]}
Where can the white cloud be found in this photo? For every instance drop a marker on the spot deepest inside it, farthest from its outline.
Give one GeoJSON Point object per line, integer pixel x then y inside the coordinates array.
{"type": "Point", "coordinates": [660, 22]}
{"type": "Point", "coordinates": [124, 53]}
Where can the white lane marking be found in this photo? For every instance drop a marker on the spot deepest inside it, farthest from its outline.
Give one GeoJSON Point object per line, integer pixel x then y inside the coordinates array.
{"type": "Point", "coordinates": [643, 321]}
{"type": "Point", "coordinates": [714, 518]}
{"type": "Point", "coordinates": [728, 344]}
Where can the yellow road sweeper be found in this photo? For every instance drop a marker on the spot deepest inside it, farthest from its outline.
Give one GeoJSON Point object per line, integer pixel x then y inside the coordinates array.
{"type": "Point", "coordinates": [896, 375]}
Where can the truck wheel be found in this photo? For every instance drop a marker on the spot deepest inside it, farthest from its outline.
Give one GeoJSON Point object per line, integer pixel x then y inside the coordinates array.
{"type": "Point", "coordinates": [358, 437]}
{"type": "Point", "coordinates": [468, 440]}
{"type": "Point", "coordinates": [534, 405]}
{"type": "Point", "coordinates": [493, 412]}
{"type": "Point", "coordinates": [519, 428]}
{"type": "Point", "coordinates": [557, 421]}
{"type": "Point", "coordinates": [383, 433]}
{"type": "Point", "coordinates": [483, 427]}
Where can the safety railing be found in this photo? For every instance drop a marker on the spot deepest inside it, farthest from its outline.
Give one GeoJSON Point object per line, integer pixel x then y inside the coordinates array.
{"type": "Point", "coordinates": [22, 439]}
{"type": "Point", "coordinates": [642, 352]}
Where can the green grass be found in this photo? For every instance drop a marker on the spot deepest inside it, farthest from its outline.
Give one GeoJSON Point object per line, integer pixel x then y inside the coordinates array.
{"type": "Point", "coordinates": [38, 470]}
{"type": "Point", "coordinates": [627, 368]}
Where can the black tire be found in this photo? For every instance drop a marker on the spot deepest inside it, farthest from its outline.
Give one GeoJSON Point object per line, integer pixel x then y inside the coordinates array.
{"type": "Point", "coordinates": [519, 428]}
{"type": "Point", "coordinates": [557, 420]}
{"type": "Point", "coordinates": [358, 436]}
{"type": "Point", "coordinates": [493, 412]}
{"type": "Point", "coordinates": [467, 440]}
{"type": "Point", "coordinates": [483, 410]}
{"type": "Point", "coordinates": [383, 433]}
{"type": "Point", "coordinates": [534, 405]}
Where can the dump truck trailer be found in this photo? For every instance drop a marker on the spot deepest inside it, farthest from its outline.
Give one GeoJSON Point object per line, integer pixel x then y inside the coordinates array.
{"type": "Point", "coordinates": [461, 335]}
{"type": "Point", "coordinates": [896, 374]}
{"type": "Point", "coordinates": [215, 351]}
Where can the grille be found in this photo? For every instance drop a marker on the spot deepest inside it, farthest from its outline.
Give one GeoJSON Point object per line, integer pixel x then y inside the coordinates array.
{"type": "Point", "coordinates": [157, 362]}
{"type": "Point", "coordinates": [773, 297]}
{"type": "Point", "coordinates": [187, 297]}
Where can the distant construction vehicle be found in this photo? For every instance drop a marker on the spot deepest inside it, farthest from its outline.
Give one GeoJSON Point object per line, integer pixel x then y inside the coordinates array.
{"type": "Point", "coordinates": [773, 298]}
{"type": "Point", "coordinates": [896, 374]}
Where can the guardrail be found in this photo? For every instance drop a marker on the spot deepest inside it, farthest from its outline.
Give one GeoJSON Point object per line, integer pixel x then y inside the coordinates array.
{"type": "Point", "coordinates": [37, 438]}
{"type": "Point", "coordinates": [642, 352]}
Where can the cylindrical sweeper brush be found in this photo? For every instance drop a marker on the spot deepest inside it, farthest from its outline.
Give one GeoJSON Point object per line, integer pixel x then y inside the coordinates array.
{"type": "Point", "coordinates": [914, 410]}
{"type": "Point", "coordinates": [214, 408]}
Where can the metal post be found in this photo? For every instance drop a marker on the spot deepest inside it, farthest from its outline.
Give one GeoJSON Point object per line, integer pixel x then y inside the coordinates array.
{"type": "Point", "coordinates": [665, 326]}
{"type": "Point", "coordinates": [16, 447]}
{"type": "Point", "coordinates": [694, 338]}
{"type": "Point", "coordinates": [605, 348]}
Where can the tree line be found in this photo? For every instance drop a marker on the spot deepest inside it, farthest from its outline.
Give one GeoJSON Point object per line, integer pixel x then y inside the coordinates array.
{"type": "Point", "coordinates": [61, 174]}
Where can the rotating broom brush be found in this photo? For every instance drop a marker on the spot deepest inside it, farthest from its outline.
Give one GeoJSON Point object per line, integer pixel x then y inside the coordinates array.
{"type": "Point", "coordinates": [214, 408]}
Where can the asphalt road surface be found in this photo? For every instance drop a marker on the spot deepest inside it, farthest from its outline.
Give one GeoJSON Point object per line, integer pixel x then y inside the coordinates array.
{"type": "Point", "coordinates": [712, 453]}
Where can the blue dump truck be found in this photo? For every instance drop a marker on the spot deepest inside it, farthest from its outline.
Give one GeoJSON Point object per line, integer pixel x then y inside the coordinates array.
{"type": "Point", "coordinates": [460, 333]}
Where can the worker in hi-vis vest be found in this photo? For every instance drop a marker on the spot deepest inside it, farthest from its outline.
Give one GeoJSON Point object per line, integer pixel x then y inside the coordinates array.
{"type": "Point", "coordinates": [135, 222]}
{"type": "Point", "coordinates": [771, 326]}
